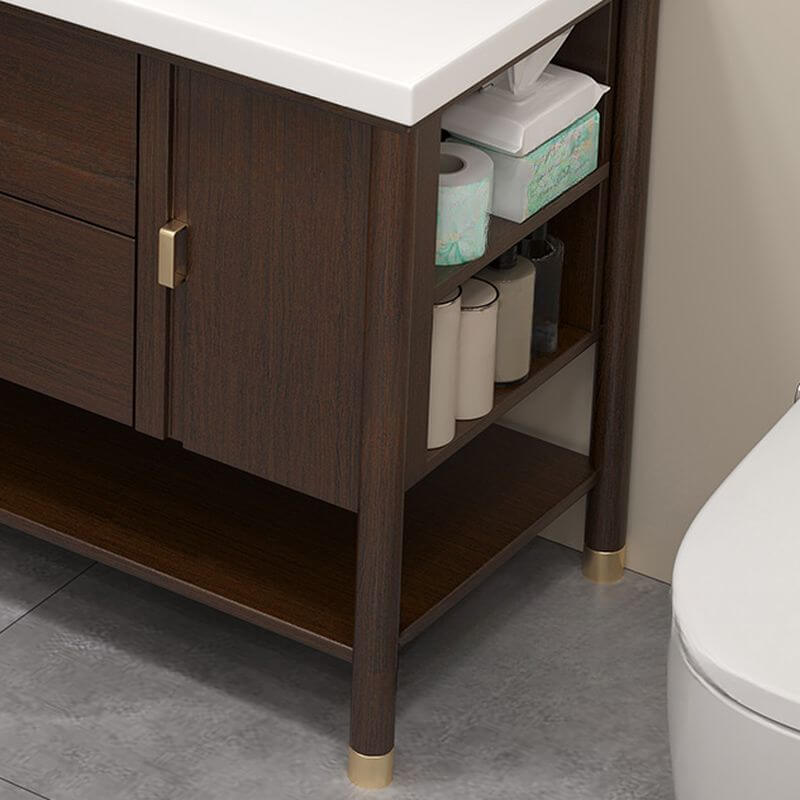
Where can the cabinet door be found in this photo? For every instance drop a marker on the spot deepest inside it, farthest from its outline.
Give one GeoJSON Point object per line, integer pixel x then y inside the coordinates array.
{"type": "Point", "coordinates": [268, 328]}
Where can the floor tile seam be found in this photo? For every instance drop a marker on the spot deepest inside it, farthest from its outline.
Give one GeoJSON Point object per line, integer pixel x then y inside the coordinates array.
{"type": "Point", "coordinates": [19, 786]}
{"type": "Point", "coordinates": [50, 596]}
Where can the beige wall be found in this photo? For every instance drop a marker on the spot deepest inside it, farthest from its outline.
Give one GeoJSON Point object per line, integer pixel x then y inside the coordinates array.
{"type": "Point", "coordinates": [720, 338]}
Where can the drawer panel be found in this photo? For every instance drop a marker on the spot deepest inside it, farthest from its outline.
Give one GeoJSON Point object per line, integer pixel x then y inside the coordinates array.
{"type": "Point", "coordinates": [66, 309]}
{"type": "Point", "coordinates": [67, 120]}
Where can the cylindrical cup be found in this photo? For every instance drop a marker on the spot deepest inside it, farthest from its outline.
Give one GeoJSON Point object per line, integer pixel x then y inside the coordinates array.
{"type": "Point", "coordinates": [444, 370]}
{"type": "Point", "coordinates": [476, 349]}
{"type": "Point", "coordinates": [514, 277]}
{"type": "Point", "coordinates": [547, 255]}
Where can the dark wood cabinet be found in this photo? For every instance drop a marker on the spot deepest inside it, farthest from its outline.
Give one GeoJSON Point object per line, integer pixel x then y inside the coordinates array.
{"type": "Point", "coordinates": [66, 309]}
{"type": "Point", "coordinates": [272, 459]}
{"type": "Point", "coordinates": [68, 121]}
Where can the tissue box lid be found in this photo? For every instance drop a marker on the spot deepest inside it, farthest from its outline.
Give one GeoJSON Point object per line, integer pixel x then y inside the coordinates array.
{"type": "Point", "coordinates": [500, 120]}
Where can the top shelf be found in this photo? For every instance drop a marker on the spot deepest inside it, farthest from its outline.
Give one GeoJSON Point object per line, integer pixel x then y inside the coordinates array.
{"type": "Point", "coordinates": [504, 234]}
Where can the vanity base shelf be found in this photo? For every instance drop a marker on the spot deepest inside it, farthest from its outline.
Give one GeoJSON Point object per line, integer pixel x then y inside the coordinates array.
{"type": "Point", "coordinates": [256, 550]}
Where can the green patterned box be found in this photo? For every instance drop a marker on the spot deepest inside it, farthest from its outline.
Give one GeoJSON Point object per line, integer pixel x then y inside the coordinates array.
{"type": "Point", "coordinates": [525, 184]}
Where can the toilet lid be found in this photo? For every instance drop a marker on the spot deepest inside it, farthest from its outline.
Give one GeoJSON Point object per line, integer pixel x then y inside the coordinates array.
{"type": "Point", "coordinates": [736, 584]}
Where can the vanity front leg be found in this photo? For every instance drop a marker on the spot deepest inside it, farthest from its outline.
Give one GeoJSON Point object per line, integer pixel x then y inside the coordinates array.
{"type": "Point", "coordinates": [401, 243]}
{"type": "Point", "coordinates": [382, 473]}
{"type": "Point", "coordinates": [376, 643]}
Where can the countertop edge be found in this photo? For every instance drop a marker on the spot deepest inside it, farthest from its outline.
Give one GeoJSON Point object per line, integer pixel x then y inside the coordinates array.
{"type": "Point", "coordinates": [403, 103]}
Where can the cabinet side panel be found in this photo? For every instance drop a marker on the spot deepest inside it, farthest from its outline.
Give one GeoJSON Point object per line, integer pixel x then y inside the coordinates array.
{"type": "Point", "coordinates": [422, 299]}
{"type": "Point", "coordinates": [272, 316]}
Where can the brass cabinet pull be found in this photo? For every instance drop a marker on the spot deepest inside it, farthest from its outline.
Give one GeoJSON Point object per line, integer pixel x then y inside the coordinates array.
{"type": "Point", "coordinates": [172, 249]}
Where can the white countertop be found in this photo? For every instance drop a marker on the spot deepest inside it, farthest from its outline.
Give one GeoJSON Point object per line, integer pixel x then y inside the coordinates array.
{"type": "Point", "coordinates": [396, 59]}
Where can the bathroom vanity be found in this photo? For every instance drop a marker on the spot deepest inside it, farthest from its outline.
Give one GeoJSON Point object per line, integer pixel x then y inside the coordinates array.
{"type": "Point", "coordinates": [217, 277]}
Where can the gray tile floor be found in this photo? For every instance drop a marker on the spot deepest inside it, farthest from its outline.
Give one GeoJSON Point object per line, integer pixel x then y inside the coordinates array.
{"type": "Point", "coordinates": [539, 685]}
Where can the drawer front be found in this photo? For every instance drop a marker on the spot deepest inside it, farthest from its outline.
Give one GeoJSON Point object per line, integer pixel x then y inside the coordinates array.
{"type": "Point", "coordinates": [67, 121]}
{"type": "Point", "coordinates": [66, 309]}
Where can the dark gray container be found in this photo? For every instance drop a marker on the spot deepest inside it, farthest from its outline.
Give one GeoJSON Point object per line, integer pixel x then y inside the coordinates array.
{"type": "Point", "coordinates": [547, 254]}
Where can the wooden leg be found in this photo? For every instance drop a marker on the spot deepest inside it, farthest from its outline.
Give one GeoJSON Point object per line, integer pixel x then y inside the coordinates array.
{"type": "Point", "coordinates": [375, 648]}
{"type": "Point", "coordinates": [622, 285]}
{"type": "Point", "coordinates": [403, 191]}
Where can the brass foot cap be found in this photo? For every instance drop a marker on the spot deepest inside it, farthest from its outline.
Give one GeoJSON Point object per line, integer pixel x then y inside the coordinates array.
{"type": "Point", "coordinates": [603, 566]}
{"type": "Point", "coordinates": [370, 772]}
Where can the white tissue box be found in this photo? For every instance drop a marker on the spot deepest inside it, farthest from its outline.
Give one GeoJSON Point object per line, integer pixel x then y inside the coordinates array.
{"type": "Point", "coordinates": [524, 185]}
{"type": "Point", "coordinates": [497, 118]}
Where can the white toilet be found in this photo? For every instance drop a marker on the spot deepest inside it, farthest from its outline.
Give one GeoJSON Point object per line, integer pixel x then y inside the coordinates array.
{"type": "Point", "coordinates": [734, 661]}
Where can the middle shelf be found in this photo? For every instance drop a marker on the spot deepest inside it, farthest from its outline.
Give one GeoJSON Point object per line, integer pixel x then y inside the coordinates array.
{"type": "Point", "coordinates": [504, 234]}
{"type": "Point", "coordinates": [572, 342]}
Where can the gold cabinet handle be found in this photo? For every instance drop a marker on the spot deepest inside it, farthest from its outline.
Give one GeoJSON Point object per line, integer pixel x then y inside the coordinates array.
{"type": "Point", "coordinates": [172, 239]}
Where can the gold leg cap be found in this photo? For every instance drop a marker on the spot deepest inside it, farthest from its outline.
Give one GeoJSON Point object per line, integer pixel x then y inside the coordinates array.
{"type": "Point", "coordinates": [370, 772]}
{"type": "Point", "coordinates": [603, 566]}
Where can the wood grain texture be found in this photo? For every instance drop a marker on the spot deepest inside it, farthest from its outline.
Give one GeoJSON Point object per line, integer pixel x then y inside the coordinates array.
{"type": "Point", "coordinates": [403, 189]}
{"type": "Point", "coordinates": [504, 234]}
{"type": "Point", "coordinates": [152, 300]}
{"type": "Point", "coordinates": [581, 228]}
{"type": "Point", "coordinates": [67, 121]}
{"type": "Point", "coordinates": [592, 48]}
{"type": "Point", "coordinates": [588, 48]}
{"type": "Point", "coordinates": [256, 550]}
{"type": "Point", "coordinates": [476, 511]}
{"type": "Point", "coordinates": [422, 300]}
{"type": "Point", "coordinates": [250, 548]}
{"type": "Point", "coordinates": [271, 316]}
{"type": "Point", "coordinates": [606, 106]}
{"type": "Point", "coordinates": [179, 186]}
{"type": "Point", "coordinates": [599, 259]}
{"type": "Point", "coordinates": [66, 309]}
{"type": "Point", "coordinates": [612, 428]}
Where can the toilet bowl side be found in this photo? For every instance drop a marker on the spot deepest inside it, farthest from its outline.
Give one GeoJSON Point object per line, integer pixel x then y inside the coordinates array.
{"type": "Point", "coordinates": [721, 749]}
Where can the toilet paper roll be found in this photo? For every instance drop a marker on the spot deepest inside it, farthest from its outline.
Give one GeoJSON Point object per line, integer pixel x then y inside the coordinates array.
{"type": "Point", "coordinates": [444, 370]}
{"type": "Point", "coordinates": [465, 199]}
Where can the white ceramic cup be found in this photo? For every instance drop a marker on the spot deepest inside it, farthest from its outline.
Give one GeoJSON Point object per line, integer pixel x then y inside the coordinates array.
{"type": "Point", "coordinates": [476, 349]}
{"type": "Point", "coordinates": [444, 370]}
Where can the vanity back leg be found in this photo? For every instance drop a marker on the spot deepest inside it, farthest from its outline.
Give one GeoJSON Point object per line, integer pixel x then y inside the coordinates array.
{"type": "Point", "coordinates": [612, 425]}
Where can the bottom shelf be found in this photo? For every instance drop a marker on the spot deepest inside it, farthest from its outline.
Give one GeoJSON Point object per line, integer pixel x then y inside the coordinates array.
{"type": "Point", "coordinates": [248, 547]}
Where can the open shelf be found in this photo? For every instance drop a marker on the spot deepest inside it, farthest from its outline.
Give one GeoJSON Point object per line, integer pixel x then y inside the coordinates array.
{"type": "Point", "coordinates": [476, 511]}
{"type": "Point", "coordinates": [234, 541]}
{"type": "Point", "coordinates": [504, 234]}
{"type": "Point", "coordinates": [253, 549]}
{"type": "Point", "coordinates": [571, 343]}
